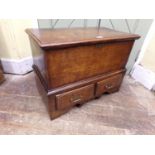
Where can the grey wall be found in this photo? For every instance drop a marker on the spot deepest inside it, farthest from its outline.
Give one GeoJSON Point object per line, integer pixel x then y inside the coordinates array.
{"type": "Point", "coordinates": [138, 26]}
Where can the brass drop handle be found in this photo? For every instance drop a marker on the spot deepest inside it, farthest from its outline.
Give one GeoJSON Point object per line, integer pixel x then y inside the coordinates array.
{"type": "Point", "coordinates": [108, 86]}
{"type": "Point", "coordinates": [76, 99]}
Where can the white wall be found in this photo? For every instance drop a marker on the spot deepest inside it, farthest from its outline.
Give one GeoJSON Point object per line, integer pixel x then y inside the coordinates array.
{"type": "Point", "coordinates": [15, 51]}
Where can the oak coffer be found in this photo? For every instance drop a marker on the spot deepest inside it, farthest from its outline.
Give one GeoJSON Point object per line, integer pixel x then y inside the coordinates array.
{"type": "Point", "coordinates": [76, 65]}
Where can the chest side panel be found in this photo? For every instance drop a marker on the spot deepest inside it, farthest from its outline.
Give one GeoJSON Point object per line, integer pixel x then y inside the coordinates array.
{"type": "Point", "coordinates": [77, 63]}
{"type": "Point", "coordinates": [39, 61]}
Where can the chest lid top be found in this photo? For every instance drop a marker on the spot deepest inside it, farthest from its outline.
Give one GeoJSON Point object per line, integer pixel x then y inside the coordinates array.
{"type": "Point", "coordinates": [53, 38]}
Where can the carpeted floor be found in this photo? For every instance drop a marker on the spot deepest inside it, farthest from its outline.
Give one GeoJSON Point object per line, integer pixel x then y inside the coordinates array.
{"type": "Point", "coordinates": [129, 111]}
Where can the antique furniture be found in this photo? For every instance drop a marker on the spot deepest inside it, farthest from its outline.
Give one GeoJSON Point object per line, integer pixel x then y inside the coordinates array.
{"type": "Point", "coordinates": [1, 73]}
{"type": "Point", "coordinates": [76, 65]}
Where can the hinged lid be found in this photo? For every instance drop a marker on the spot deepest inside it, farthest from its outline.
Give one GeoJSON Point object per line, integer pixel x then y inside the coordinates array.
{"type": "Point", "coordinates": [56, 38]}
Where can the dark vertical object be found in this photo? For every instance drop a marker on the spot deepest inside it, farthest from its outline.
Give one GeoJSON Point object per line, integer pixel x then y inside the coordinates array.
{"type": "Point", "coordinates": [1, 73]}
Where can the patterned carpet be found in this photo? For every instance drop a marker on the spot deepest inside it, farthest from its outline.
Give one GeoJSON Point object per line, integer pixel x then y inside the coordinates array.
{"type": "Point", "coordinates": [129, 111]}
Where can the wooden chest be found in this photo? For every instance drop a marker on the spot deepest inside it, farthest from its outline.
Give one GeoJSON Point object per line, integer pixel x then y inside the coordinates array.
{"type": "Point", "coordinates": [76, 65]}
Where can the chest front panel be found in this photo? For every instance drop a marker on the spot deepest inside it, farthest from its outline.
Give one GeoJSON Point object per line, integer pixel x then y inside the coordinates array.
{"type": "Point", "coordinates": [72, 64]}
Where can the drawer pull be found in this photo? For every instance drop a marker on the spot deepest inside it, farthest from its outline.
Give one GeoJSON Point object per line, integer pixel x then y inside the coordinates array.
{"type": "Point", "coordinates": [109, 86]}
{"type": "Point", "coordinates": [76, 99]}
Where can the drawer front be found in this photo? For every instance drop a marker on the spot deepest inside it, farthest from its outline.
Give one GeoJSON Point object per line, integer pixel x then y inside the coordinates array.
{"type": "Point", "coordinates": [108, 85]}
{"type": "Point", "coordinates": [74, 97]}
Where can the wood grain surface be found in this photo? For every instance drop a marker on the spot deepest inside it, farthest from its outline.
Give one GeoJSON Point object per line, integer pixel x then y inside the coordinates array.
{"type": "Point", "coordinates": [57, 38]}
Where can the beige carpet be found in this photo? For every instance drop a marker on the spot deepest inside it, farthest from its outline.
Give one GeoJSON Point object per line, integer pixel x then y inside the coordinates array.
{"type": "Point", "coordinates": [129, 111]}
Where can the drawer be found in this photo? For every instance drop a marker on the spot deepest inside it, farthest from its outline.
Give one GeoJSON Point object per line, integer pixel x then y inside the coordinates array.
{"type": "Point", "coordinates": [108, 85]}
{"type": "Point", "coordinates": [76, 96]}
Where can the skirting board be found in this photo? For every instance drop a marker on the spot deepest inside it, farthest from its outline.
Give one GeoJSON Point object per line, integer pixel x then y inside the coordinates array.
{"type": "Point", "coordinates": [144, 76]}
{"type": "Point", "coordinates": [20, 67]}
